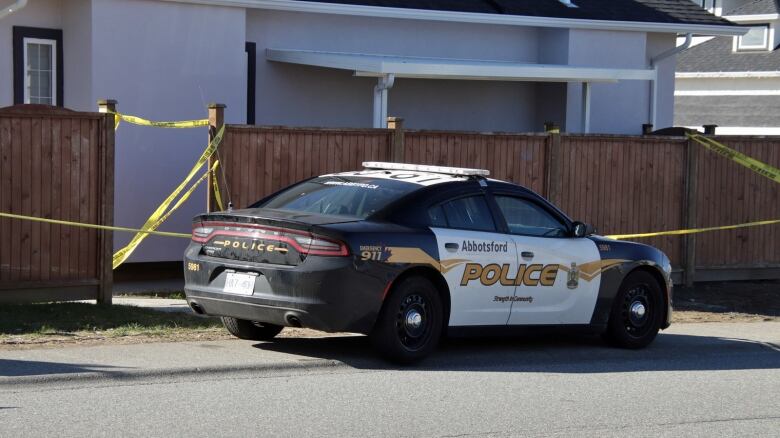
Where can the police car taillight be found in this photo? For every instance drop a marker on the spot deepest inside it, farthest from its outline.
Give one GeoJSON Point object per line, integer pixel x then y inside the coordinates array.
{"type": "Point", "coordinates": [317, 245]}
{"type": "Point", "coordinates": [201, 233]}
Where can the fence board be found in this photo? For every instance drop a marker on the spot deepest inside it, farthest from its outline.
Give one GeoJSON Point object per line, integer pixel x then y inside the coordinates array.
{"type": "Point", "coordinates": [50, 168]}
{"type": "Point", "coordinates": [730, 194]}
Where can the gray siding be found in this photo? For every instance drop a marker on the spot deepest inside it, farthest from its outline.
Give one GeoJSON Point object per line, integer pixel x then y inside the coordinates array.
{"type": "Point", "coordinates": [749, 111]}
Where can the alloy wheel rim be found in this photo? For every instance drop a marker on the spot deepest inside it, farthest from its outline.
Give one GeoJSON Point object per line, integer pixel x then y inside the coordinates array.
{"type": "Point", "coordinates": [637, 311]}
{"type": "Point", "coordinates": [413, 322]}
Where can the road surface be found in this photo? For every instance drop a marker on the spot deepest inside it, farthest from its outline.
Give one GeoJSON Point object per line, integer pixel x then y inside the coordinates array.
{"type": "Point", "coordinates": [695, 380]}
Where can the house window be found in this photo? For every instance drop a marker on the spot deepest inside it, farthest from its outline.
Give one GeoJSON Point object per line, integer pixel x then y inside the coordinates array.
{"type": "Point", "coordinates": [40, 71]}
{"type": "Point", "coordinates": [37, 66]}
{"type": "Point", "coordinates": [755, 39]}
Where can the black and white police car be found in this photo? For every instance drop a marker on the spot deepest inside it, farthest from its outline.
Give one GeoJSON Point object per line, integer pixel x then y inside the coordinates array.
{"type": "Point", "coordinates": [407, 253]}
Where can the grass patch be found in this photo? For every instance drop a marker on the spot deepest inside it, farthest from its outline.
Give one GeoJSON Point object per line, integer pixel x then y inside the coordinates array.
{"type": "Point", "coordinates": [74, 321]}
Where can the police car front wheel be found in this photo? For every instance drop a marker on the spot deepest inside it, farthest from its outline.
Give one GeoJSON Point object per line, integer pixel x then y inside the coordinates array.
{"type": "Point", "coordinates": [410, 323]}
{"type": "Point", "coordinates": [637, 312]}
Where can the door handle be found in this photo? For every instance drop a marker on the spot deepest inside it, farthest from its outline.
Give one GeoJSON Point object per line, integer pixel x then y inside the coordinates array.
{"type": "Point", "coordinates": [527, 254]}
{"type": "Point", "coordinates": [451, 246]}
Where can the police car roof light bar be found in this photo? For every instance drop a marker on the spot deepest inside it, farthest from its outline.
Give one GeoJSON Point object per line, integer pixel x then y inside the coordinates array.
{"type": "Point", "coordinates": [460, 171]}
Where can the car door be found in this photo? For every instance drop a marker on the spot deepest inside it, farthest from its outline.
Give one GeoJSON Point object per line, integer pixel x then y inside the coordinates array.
{"type": "Point", "coordinates": [476, 261]}
{"type": "Point", "coordinates": [557, 279]}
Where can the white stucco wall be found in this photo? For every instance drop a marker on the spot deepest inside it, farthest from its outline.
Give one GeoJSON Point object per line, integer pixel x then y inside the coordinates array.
{"type": "Point", "coordinates": [658, 43]}
{"type": "Point", "coordinates": [618, 108]}
{"type": "Point", "coordinates": [163, 61]}
{"type": "Point", "coordinates": [301, 95]}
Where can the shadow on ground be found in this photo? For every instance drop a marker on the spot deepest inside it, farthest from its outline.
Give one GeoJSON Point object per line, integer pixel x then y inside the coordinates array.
{"type": "Point", "coordinates": [19, 368]}
{"type": "Point", "coordinates": [549, 353]}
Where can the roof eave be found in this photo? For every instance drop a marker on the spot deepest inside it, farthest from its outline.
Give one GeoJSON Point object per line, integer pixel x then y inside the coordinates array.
{"type": "Point", "coordinates": [471, 17]}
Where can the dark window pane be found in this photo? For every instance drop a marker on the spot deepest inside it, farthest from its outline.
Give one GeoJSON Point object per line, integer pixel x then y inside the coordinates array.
{"type": "Point", "coordinates": [44, 57]}
{"type": "Point", "coordinates": [32, 56]}
{"type": "Point", "coordinates": [526, 217]}
{"type": "Point", "coordinates": [436, 216]}
{"type": "Point", "coordinates": [470, 213]}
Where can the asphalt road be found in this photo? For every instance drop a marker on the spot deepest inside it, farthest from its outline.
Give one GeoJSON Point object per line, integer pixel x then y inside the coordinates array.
{"type": "Point", "coordinates": [695, 380]}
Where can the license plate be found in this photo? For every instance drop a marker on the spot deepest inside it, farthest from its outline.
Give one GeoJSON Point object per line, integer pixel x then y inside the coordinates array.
{"type": "Point", "coordinates": [241, 284]}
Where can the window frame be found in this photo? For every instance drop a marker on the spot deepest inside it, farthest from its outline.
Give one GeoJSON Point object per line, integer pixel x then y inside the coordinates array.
{"type": "Point", "coordinates": [21, 37]}
{"type": "Point", "coordinates": [747, 48]}
{"type": "Point", "coordinates": [538, 201]}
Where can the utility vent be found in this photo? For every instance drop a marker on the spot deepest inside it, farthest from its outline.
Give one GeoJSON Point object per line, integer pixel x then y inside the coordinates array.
{"type": "Point", "coordinates": [568, 3]}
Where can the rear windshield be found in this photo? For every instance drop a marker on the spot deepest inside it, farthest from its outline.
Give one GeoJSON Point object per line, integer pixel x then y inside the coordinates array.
{"type": "Point", "coordinates": [357, 197]}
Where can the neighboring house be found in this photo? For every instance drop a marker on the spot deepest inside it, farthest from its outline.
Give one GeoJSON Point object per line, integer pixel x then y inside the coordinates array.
{"type": "Point", "coordinates": [734, 82]}
{"type": "Point", "coordinates": [483, 65]}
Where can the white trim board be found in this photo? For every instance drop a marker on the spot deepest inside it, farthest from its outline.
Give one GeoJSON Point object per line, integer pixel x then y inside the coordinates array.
{"type": "Point", "coordinates": [727, 74]}
{"type": "Point", "coordinates": [471, 17]}
{"type": "Point", "coordinates": [374, 65]}
{"type": "Point", "coordinates": [743, 130]}
{"type": "Point", "coordinates": [755, 17]}
{"type": "Point", "coordinates": [727, 92]}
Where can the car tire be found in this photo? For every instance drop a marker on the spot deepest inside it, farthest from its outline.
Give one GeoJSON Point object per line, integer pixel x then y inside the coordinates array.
{"type": "Point", "coordinates": [636, 313]}
{"type": "Point", "coordinates": [410, 323]}
{"type": "Point", "coordinates": [250, 330]}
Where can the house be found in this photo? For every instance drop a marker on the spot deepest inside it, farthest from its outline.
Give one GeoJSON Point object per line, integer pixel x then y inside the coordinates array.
{"type": "Point", "coordinates": [484, 65]}
{"type": "Point", "coordinates": [734, 81]}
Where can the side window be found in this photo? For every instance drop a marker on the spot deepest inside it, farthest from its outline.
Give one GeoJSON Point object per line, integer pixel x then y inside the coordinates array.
{"type": "Point", "coordinates": [471, 213]}
{"type": "Point", "coordinates": [436, 217]}
{"type": "Point", "coordinates": [525, 217]}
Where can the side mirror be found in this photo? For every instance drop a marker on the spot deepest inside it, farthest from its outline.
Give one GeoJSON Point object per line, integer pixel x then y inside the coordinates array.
{"type": "Point", "coordinates": [581, 229]}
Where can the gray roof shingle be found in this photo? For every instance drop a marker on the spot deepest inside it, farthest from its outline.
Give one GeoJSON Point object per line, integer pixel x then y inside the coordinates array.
{"type": "Point", "coordinates": [716, 55]}
{"type": "Point", "coordinates": [646, 11]}
{"type": "Point", "coordinates": [756, 7]}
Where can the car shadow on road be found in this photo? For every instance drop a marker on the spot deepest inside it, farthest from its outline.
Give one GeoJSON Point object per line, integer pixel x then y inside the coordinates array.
{"type": "Point", "coordinates": [548, 353]}
{"type": "Point", "coordinates": [20, 368]}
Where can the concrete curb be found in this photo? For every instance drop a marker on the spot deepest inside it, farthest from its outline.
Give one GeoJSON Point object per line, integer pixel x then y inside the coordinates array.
{"type": "Point", "coordinates": [166, 372]}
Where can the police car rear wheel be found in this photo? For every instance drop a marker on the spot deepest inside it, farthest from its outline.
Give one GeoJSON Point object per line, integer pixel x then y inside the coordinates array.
{"type": "Point", "coordinates": [410, 323]}
{"type": "Point", "coordinates": [636, 314]}
{"type": "Point", "coordinates": [250, 330]}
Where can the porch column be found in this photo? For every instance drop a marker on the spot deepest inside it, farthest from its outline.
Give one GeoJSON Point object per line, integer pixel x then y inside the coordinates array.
{"type": "Point", "coordinates": [586, 107]}
{"type": "Point", "coordinates": [384, 83]}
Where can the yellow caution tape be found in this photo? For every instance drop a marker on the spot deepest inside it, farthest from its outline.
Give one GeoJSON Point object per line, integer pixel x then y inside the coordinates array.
{"type": "Point", "coordinates": [751, 163]}
{"type": "Point", "coordinates": [215, 183]}
{"type": "Point", "coordinates": [692, 230]}
{"type": "Point", "coordinates": [122, 255]}
{"type": "Point", "coordinates": [94, 226]}
{"type": "Point", "coordinates": [159, 215]}
{"type": "Point", "coordinates": [143, 122]}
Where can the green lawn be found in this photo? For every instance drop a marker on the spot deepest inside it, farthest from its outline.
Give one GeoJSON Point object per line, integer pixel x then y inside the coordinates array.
{"type": "Point", "coordinates": [84, 319]}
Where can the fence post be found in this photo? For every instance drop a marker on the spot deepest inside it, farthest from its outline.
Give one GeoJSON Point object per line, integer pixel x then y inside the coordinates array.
{"type": "Point", "coordinates": [690, 201]}
{"type": "Point", "coordinates": [397, 148]}
{"type": "Point", "coordinates": [106, 213]}
{"type": "Point", "coordinates": [553, 164]}
{"type": "Point", "coordinates": [216, 120]}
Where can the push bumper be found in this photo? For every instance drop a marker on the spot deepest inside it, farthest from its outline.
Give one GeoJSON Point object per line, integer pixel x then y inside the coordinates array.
{"type": "Point", "coordinates": [323, 293]}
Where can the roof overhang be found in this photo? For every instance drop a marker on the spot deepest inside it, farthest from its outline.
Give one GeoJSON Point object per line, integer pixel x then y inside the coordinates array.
{"type": "Point", "coordinates": [472, 17]}
{"type": "Point", "coordinates": [373, 65]}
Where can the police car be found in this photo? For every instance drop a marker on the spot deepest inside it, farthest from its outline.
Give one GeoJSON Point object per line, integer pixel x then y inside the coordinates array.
{"type": "Point", "coordinates": [408, 253]}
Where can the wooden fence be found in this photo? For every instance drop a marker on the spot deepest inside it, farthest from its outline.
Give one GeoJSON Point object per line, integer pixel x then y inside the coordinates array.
{"type": "Point", "coordinates": [58, 164]}
{"type": "Point", "coordinates": [620, 184]}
